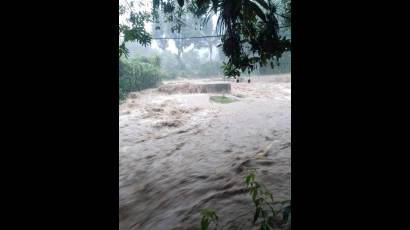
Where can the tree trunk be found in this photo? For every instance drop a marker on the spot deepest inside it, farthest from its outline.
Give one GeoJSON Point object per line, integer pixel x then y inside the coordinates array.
{"type": "Point", "coordinates": [179, 58]}
{"type": "Point", "coordinates": [210, 53]}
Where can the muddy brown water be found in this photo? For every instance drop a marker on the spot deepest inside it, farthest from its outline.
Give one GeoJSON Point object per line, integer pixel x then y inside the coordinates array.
{"type": "Point", "coordinates": [181, 153]}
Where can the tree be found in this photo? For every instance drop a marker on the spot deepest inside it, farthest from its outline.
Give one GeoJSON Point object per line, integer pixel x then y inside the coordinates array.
{"type": "Point", "coordinates": [250, 29]}
{"type": "Point", "coordinates": [287, 13]}
{"type": "Point", "coordinates": [160, 29]}
{"type": "Point", "coordinates": [174, 25]}
{"type": "Point", "coordinates": [133, 29]}
{"type": "Point", "coordinates": [206, 29]}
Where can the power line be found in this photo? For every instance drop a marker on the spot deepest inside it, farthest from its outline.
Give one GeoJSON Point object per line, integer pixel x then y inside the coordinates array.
{"type": "Point", "coordinates": [205, 36]}
{"type": "Point", "coordinates": [209, 36]}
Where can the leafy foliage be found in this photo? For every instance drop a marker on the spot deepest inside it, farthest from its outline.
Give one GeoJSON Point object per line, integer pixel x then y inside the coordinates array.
{"type": "Point", "coordinates": [194, 62]}
{"type": "Point", "coordinates": [287, 12]}
{"type": "Point", "coordinates": [138, 74]}
{"type": "Point", "coordinates": [230, 70]}
{"type": "Point", "coordinates": [133, 29]}
{"type": "Point", "coordinates": [182, 24]}
{"type": "Point", "coordinates": [208, 217]}
{"type": "Point", "coordinates": [268, 214]}
{"type": "Point", "coordinates": [250, 28]}
{"type": "Point", "coordinates": [265, 213]}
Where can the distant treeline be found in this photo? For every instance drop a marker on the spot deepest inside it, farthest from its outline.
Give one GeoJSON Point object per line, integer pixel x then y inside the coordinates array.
{"type": "Point", "coordinates": [281, 66]}
{"type": "Point", "coordinates": [140, 72]}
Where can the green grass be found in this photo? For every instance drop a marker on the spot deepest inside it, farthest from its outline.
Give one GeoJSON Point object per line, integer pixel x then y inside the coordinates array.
{"type": "Point", "coordinates": [222, 99]}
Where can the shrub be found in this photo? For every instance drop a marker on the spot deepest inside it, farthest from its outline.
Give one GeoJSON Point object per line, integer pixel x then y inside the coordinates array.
{"type": "Point", "coordinates": [136, 75]}
{"type": "Point", "coordinates": [269, 214]}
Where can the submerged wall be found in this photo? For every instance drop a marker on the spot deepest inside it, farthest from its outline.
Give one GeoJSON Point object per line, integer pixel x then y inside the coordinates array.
{"type": "Point", "coordinates": [220, 87]}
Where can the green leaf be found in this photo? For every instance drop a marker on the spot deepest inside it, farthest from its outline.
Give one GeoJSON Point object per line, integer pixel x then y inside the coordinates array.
{"type": "Point", "coordinates": [263, 3]}
{"type": "Point", "coordinates": [256, 216]}
{"type": "Point", "coordinates": [247, 179]}
{"type": "Point", "coordinates": [252, 175]}
{"type": "Point", "coordinates": [155, 4]}
{"type": "Point", "coordinates": [273, 211]}
{"type": "Point", "coordinates": [215, 5]}
{"type": "Point", "coordinates": [202, 3]}
{"type": "Point", "coordinates": [204, 223]}
{"type": "Point", "coordinates": [286, 213]}
{"type": "Point", "coordinates": [255, 8]}
{"type": "Point", "coordinates": [255, 192]}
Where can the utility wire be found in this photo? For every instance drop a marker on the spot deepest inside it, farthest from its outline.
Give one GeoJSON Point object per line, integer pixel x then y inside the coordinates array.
{"type": "Point", "coordinates": [196, 37]}
{"type": "Point", "coordinates": [209, 36]}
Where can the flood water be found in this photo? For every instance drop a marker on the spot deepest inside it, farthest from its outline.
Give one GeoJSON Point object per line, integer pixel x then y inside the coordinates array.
{"type": "Point", "coordinates": [181, 153]}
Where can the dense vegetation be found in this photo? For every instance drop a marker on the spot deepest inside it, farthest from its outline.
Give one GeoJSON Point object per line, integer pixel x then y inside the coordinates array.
{"type": "Point", "coordinates": [254, 35]}
{"type": "Point", "coordinates": [251, 30]}
{"type": "Point", "coordinates": [137, 74]}
{"type": "Point", "coordinates": [192, 63]}
{"type": "Point", "coordinates": [141, 72]}
{"type": "Point", "coordinates": [196, 62]}
{"type": "Point", "coordinates": [269, 214]}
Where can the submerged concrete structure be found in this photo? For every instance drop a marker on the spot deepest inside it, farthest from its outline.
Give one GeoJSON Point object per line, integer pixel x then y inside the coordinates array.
{"type": "Point", "coordinates": [200, 87]}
